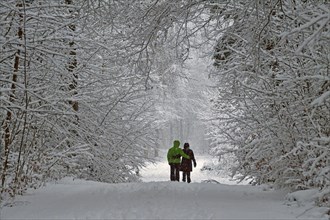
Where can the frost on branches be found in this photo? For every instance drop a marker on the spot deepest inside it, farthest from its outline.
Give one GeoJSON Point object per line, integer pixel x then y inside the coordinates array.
{"type": "Point", "coordinates": [73, 97]}
{"type": "Point", "coordinates": [272, 105]}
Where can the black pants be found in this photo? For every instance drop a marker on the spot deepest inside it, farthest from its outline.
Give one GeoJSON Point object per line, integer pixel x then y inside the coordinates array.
{"type": "Point", "coordinates": [186, 175]}
{"type": "Point", "coordinates": [175, 172]}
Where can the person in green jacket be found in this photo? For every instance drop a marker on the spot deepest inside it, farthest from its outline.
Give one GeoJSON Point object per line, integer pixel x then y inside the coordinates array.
{"type": "Point", "coordinates": [174, 155]}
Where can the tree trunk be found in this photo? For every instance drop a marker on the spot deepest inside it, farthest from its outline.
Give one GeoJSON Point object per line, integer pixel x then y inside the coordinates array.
{"type": "Point", "coordinates": [8, 120]}
{"type": "Point", "coordinates": [72, 65]}
{"type": "Point", "coordinates": [22, 145]}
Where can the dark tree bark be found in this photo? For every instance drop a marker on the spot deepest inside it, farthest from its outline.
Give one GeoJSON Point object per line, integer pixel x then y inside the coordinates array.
{"type": "Point", "coordinates": [8, 120]}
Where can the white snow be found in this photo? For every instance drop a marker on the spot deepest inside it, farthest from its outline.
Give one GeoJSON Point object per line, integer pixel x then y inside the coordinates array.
{"type": "Point", "coordinates": [321, 99]}
{"type": "Point", "coordinates": [158, 198]}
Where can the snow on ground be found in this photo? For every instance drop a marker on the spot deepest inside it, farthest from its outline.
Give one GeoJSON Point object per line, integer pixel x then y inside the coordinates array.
{"type": "Point", "coordinates": [157, 198]}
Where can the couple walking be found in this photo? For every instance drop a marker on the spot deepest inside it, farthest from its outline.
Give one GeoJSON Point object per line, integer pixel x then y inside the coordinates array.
{"type": "Point", "coordinates": [174, 155]}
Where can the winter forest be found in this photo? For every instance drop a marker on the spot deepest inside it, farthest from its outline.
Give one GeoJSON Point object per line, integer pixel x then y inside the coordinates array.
{"type": "Point", "coordinates": [93, 89]}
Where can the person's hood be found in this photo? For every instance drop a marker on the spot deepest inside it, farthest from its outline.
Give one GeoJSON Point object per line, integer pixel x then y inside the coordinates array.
{"type": "Point", "coordinates": [176, 143]}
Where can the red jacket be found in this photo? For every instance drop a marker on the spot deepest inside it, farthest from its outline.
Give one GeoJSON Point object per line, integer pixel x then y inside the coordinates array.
{"type": "Point", "coordinates": [186, 164]}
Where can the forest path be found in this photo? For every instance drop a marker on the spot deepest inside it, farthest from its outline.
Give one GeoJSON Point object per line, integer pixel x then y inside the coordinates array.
{"type": "Point", "coordinates": [79, 199]}
{"type": "Point", "coordinates": [160, 199]}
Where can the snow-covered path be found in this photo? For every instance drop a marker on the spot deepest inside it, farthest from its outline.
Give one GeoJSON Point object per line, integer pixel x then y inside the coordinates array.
{"type": "Point", "coordinates": [156, 199]}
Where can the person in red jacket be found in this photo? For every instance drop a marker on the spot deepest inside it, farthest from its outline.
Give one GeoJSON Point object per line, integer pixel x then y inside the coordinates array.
{"type": "Point", "coordinates": [186, 164]}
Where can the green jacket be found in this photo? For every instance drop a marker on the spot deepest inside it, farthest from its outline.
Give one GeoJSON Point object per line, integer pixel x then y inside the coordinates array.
{"type": "Point", "coordinates": [174, 153]}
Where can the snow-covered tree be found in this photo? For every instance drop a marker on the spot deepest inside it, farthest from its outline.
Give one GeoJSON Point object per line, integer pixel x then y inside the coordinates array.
{"type": "Point", "coordinates": [273, 93]}
{"type": "Point", "coordinates": [56, 56]}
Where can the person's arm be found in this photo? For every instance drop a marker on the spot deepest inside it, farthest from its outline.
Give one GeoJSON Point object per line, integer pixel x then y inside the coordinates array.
{"type": "Point", "coordinates": [183, 154]}
{"type": "Point", "coordinates": [193, 158]}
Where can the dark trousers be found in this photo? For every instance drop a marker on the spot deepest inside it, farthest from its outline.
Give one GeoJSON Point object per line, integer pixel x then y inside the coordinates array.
{"type": "Point", "coordinates": [175, 172]}
{"type": "Point", "coordinates": [186, 175]}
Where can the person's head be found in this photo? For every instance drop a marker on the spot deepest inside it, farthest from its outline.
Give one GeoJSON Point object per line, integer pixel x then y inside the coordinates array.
{"type": "Point", "coordinates": [186, 145]}
{"type": "Point", "coordinates": [176, 143]}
